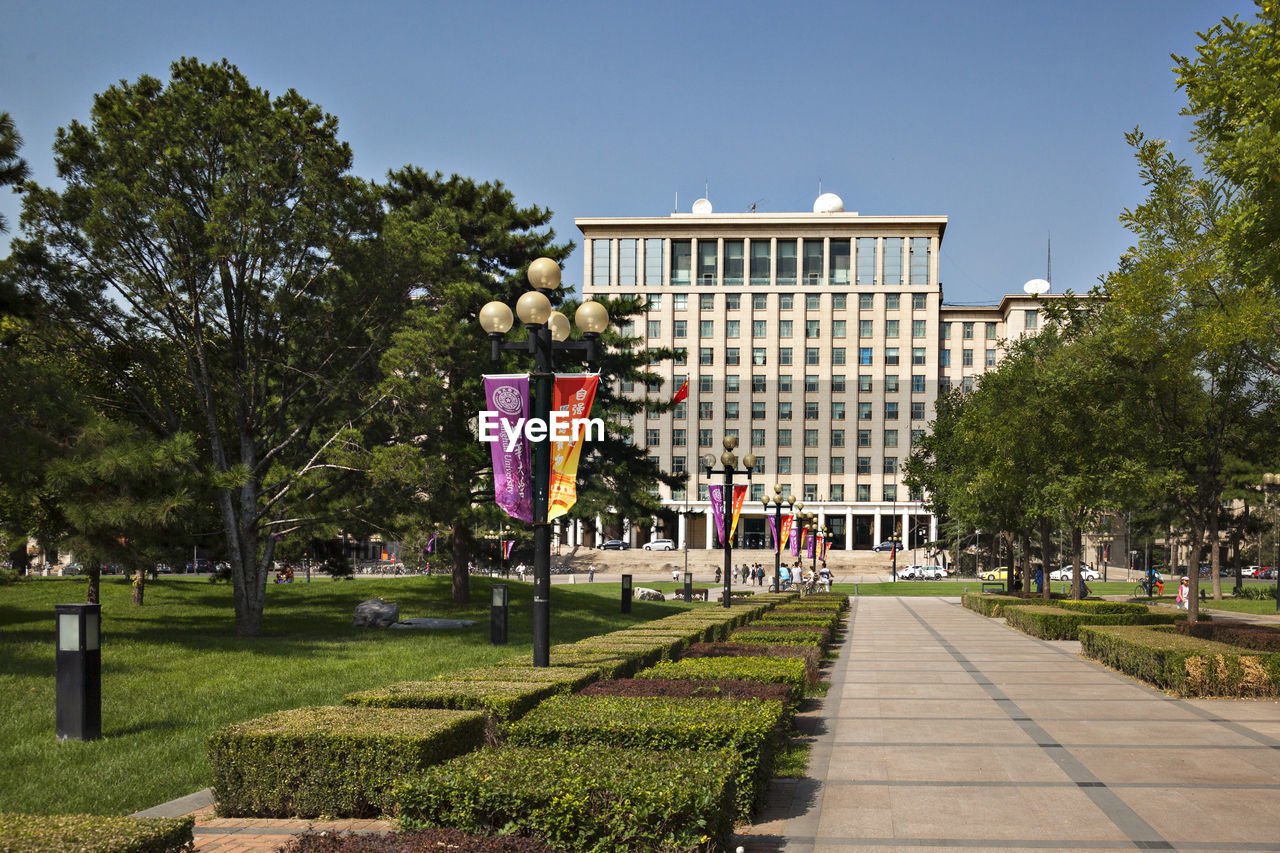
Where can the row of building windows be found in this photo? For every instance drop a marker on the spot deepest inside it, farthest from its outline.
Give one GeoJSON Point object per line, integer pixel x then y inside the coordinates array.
{"type": "Point", "coordinates": [862, 260]}
{"type": "Point", "coordinates": [732, 410]}
{"type": "Point", "coordinates": [813, 383]}
{"type": "Point", "coordinates": [679, 438]}
{"type": "Point", "coordinates": [786, 301]}
{"type": "Point", "coordinates": [786, 328]}
{"type": "Point", "coordinates": [809, 492]}
{"type": "Point", "coordinates": [866, 356]}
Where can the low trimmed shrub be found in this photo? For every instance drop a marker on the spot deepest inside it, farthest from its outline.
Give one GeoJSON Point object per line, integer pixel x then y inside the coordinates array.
{"type": "Point", "coordinates": [587, 798]}
{"type": "Point", "coordinates": [1246, 635]}
{"type": "Point", "coordinates": [1090, 605]}
{"type": "Point", "coordinates": [83, 833]}
{"type": "Point", "coordinates": [1186, 665]}
{"type": "Point", "coordinates": [811, 655]}
{"type": "Point", "coordinates": [339, 761]}
{"type": "Point", "coordinates": [597, 664]}
{"type": "Point", "coordinates": [829, 622]}
{"type": "Point", "coordinates": [750, 728]}
{"type": "Point", "coordinates": [1060, 623]}
{"type": "Point", "coordinates": [500, 701]}
{"type": "Point", "coordinates": [438, 840]}
{"type": "Point", "coordinates": [771, 670]}
{"type": "Point", "coordinates": [567, 678]}
{"type": "Point", "coordinates": [688, 689]}
{"type": "Point", "coordinates": [988, 604]}
{"type": "Point", "coordinates": [781, 635]}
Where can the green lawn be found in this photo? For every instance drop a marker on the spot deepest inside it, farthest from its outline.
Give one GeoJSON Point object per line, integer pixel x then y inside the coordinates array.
{"type": "Point", "coordinates": [173, 672]}
{"type": "Point", "coordinates": [1262, 606]}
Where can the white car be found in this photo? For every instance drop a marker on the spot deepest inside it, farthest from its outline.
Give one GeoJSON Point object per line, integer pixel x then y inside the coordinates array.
{"type": "Point", "coordinates": [911, 573]}
{"type": "Point", "coordinates": [1066, 573]}
{"type": "Point", "coordinates": [933, 573]}
{"type": "Point", "coordinates": [659, 545]}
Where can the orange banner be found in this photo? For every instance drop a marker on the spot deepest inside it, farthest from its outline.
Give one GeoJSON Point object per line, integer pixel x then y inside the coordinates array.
{"type": "Point", "coordinates": [739, 495]}
{"type": "Point", "coordinates": [573, 395]}
{"type": "Point", "coordinates": [787, 521]}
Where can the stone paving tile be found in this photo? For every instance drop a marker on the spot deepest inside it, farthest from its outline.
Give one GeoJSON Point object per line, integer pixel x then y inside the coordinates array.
{"type": "Point", "coordinates": [1171, 733]}
{"type": "Point", "coordinates": [1181, 813]}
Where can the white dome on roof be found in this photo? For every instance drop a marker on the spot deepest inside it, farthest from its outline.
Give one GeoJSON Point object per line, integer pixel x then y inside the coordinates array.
{"type": "Point", "coordinates": [828, 203]}
{"type": "Point", "coordinates": [702, 206]}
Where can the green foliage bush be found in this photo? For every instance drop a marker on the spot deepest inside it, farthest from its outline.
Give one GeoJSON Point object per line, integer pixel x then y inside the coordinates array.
{"type": "Point", "coordinates": [1186, 665]}
{"type": "Point", "coordinates": [1090, 605]}
{"type": "Point", "coordinates": [750, 728]}
{"type": "Point", "coordinates": [827, 621]}
{"type": "Point", "coordinates": [778, 635]}
{"type": "Point", "coordinates": [338, 761]}
{"type": "Point", "coordinates": [1257, 592]}
{"type": "Point", "coordinates": [811, 655]}
{"type": "Point", "coordinates": [567, 678]}
{"type": "Point", "coordinates": [1060, 623]}
{"type": "Point", "coordinates": [1260, 638]}
{"type": "Point", "coordinates": [500, 701]}
{"type": "Point", "coordinates": [591, 798]}
{"type": "Point", "coordinates": [422, 841]}
{"type": "Point", "coordinates": [79, 833]}
{"type": "Point", "coordinates": [771, 670]}
{"type": "Point", "coordinates": [988, 604]}
{"type": "Point", "coordinates": [688, 689]}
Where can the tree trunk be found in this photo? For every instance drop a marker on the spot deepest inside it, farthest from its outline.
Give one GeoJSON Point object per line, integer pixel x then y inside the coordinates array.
{"type": "Point", "coordinates": [461, 556]}
{"type": "Point", "coordinates": [20, 559]}
{"type": "Point", "coordinates": [139, 586]}
{"type": "Point", "coordinates": [1215, 559]}
{"type": "Point", "coordinates": [248, 568]}
{"type": "Point", "coordinates": [94, 567]}
{"type": "Point", "coordinates": [1045, 544]}
{"type": "Point", "coordinates": [1077, 581]}
{"type": "Point", "coordinates": [1193, 574]}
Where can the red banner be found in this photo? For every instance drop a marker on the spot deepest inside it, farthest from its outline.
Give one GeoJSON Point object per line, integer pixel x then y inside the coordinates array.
{"type": "Point", "coordinates": [787, 521]}
{"type": "Point", "coordinates": [573, 395]}
{"type": "Point", "coordinates": [739, 496]}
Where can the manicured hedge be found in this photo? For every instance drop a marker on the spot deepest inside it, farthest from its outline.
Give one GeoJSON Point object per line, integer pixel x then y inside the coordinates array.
{"type": "Point", "coordinates": [566, 678]}
{"type": "Point", "coordinates": [750, 728]}
{"type": "Point", "coordinates": [81, 833]}
{"type": "Point", "coordinates": [421, 841]}
{"type": "Point", "coordinates": [1090, 605]}
{"type": "Point", "coordinates": [723, 688]}
{"type": "Point", "coordinates": [811, 655]}
{"type": "Point", "coordinates": [1060, 623]}
{"type": "Point", "coordinates": [781, 635]}
{"type": "Point", "coordinates": [990, 605]}
{"type": "Point", "coordinates": [581, 799]}
{"type": "Point", "coordinates": [336, 761]}
{"type": "Point", "coordinates": [568, 657]}
{"type": "Point", "coordinates": [1186, 665]}
{"type": "Point", "coordinates": [500, 701]}
{"type": "Point", "coordinates": [1261, 638]}
{"type": "Point", "coordinates": [772, 670]}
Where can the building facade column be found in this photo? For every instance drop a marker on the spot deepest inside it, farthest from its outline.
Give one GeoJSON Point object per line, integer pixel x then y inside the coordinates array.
{"type": "Point", "coordinates": [684, 526]}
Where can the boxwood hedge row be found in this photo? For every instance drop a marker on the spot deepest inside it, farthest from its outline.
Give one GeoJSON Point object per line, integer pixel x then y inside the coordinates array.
{"type": "Point", "coordinates": [781, 635]}
{"type": "Point", "coordinates": [585, 798]}
{"type": "Point", "coordinates": [771, 670]}
{"type": "Point", "coordinates": [1186, 665]}
{"type": "Point", "coordinates": [81, 833]}
{"type": "Point", "coordinates": [810, 655]}
{"type": "Point", "coordinates": [1060, 623]}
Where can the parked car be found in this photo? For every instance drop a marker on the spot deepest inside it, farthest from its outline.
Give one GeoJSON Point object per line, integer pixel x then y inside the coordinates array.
{"type": "Point", "coordinates": [911, 573]}
{"type": "Point", "coordinates": [1000, 574]}
{"type": "Point", "coordinates": [614, 545]}
{"type": "Point", "coordinates": [1066, 573]}
{"type": "Point", "coordinates": [886, 546]}
{"type": "Point", "coordinates": [659, 545]}
{"type": "Point", "coordinates": [1246, 572]}
{"type": "Point", "coordinates": [933, 573]}
{"type": "Point", "coordinates": [1265, 574]}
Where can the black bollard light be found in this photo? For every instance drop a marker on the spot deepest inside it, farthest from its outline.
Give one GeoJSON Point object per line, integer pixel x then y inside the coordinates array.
{"type": "Point", "coordinates": [79, 671]}
{"type": "Point", "coordinates": [688, 586]}
{"type": "Point", "coordinates": [626, 593]}
{"type": "Point", "coordinates": [498, 615]}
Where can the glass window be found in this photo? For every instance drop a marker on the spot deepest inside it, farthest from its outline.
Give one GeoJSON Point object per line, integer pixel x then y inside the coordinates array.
{"type": "Point", "coordinates": [810, 467]}
{"type": "Point", "coordinates": [837, 355]}
{"type": "Point", "coordinates": [813, 262]}
{"type": "Point", "coordinates": [680, 301]}
{"type": "Point", "coordinates": [837, 383]}
{"type": "Point", "coordinates": [866, 260]}
{"type": "Point", "coordinates": [760, 261]}
{"type": "Point", "coordinates": [864, 411]}
{"type": "Point", "coordinates": [786, 301]}
{"type": "Point", "coordinates": [682, 357]}
{"type": "Point", "coordinates": [757, 382]}
{"type": "Point", "coordinates": [966, 384]}
{"type": "Point", "coordinates": [707, 301]}
{"type": "Point", "coordinates": [919, 328]}
{"type": "Point", "coordinates": [919, 301]}
{"type": "Point", "coordinates": [784, 383]}
{"type": "Point", "coordinates": [681, 262]}
{"type": "Point", "coordinates": [891, 383]}
{"type": "Point", "coordinates": [890, 492]}
{"type": "Point", "coordinates": [731, 383]}
{"type": "Point", "coordinates": [890, 355]}
{"type": "Point", "coordinates": [866, 328]}
{"type": "Point", "coordinates": [733, 262]}
{"type": "Point", "coordinates": [812, 328]}
{"type": "Point", "coordinates": [811, 438]}
{"type": "Point", "coordinates": [706, 356]}
{"type": "Point", "coordinates": [838, 328]}
{"type": "Point", "coordinates": [840, 262]}
{"type": "Point", "coordinates": [966, 358]}
{"type": "Point", "coordinates": [837, 438]}
{"type": "Point", "coordinates": [967, 331]}
{"type": "Point", "coordinates": [917, 383]}
{"type": "Point", "coordinates": [837, 494]}
{"type": "Point", "coordinates": [891, 438]}
{"type": "Point", "coordinates": [991, 358]}
{"type": "Point", "coordinates": [653, 260]}
{"type": "Point", "coordinates": [704, 492]}
{"type": "Point", "coordinates": [706, 410]}
{"type": "Point", "coordinates": [944, 358]}
{"type": "Point", "coordinates": [706, 328]}
{"type": "Point", "coordinates": [784, 328]}
{"type": "Point", "coordinates": [893, 260]}
{"type": "Point", "coordinates": [813, 302]}
{"type": "Point", "coordinates": [681, 328]}
{"type": "Point", "coordinates": [892, 301]}
{"type": "Point", "coordinates": [731, 411]}
{"type": "Point", "coordinates": [627, 262]}
{"type": "Point", "coordinates": [864, 491]}
{"type": "Point", "coordinates": [653, 328]}
{"type": "Point", "coordinates": [757, 356]}
{"type": "Point", "coordinates": [919, 260]}
{"type": "Point", "coordinates": [652, 437]}
{"type": "Point", "coordinates": [866, 301]}
{"type": "Point", "coordinates": [837, 411]}
{"type": "Point", "coordinates": [917, 436]}
{"type": "Point", "coordinates": [682, 411]}
{"type": "Point", "coordinates": [600, 259]}
{"type": "Point", "coordinates": [653, 302]}
{"type": "Point", "coordinates": [811, 355]}
{"type": "Point", "coordinates": [759, 301]}
{"type": "Point", "coordinates": [811, 489]}
{"type": "Point", "coordinates": [732, 355]}
{"type": "Point", "coordinates": [733, 301]}
{"type": "Point", "coordinates": [864, 438]}
{"type": "Point", "coordinates": [944, 384]}
{"type": "Point", "coordinates": [757, 489]}
{"type": "Point", "coordinates": [786, 263]}
{"type": "Point", "coordinates": [810, 383]}
{"type": "Point", "coordinates": [944, 330]}
{"type": "Point", "coordinates": [759, 328]}
{"type": "Point", "coordinates": [707, 251]}
{"type": "Point", "coordinates": [811, 410]}
{"type": "Point", "coordinates": [864, 464]}
{"type": "Point", "coordinates": [864, 355]}
{"type": "Point", "coordinates": [704, 438]}
{"type": "Point", "coordinates": [891, 328]}
{"type": "Point", "coordinates": [784, 411]}
{"type": "Point", "coordinates": [839, 301]}
{"type": "Point", "coordinates": [837, 464]}
{"type": "Point", "coordinates": [991, 331]}
{"type": "Point", "coordinates": [1032, 319]}
{"type": "Point", "coordinates": [917, 355]}
{"type": "Point", "coordinates": [784, 355]}
{"type": "Point", "coordinates": [784, 466]}
{"type": "Point", "coordinates": [890, 411]}
{"type": "Point", "coordinates": [784, 438]}
{"type": "Point", "coordinates": [679, 437]}
{"type": "Point", "coordinates": [917, 410]}
{"type": "Point", "coordinates": [732, 328]}
{"type": "Point", "coordinates": [757, 410]}
{"type": "Point", "coordinates": [757, 438]}
{"type": "Point", "coordinates": [678, 465]}
{"type": "Point", "coordinates": [891, 465]}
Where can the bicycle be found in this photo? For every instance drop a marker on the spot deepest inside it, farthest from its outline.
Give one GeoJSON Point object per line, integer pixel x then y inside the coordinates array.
{"type": "Point", "coordinates": [1148, 588]}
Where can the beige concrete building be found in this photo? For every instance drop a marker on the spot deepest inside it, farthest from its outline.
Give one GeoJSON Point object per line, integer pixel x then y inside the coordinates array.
{"type": "Point", "coordinates": [819, 339]}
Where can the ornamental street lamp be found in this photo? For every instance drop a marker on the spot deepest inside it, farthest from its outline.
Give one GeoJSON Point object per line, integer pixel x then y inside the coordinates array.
{"type": "Point", "coordinates": [1271, 483]}
{"type": "Point", "coordinates": [1104, 547]}
{"type": "Point", "coordinates": [777, 505]}
{"type": "Point", "coordinates": [730, 462]}
{"type": "Point", "coordinates": [548, 334]}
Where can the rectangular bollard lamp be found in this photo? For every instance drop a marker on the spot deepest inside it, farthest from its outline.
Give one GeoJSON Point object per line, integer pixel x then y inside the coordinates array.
{"type": "Point", "coordinates": [78, 628]}
{"type": "Point", "coordinates": [498, 615]}
{"type": "Point", "coordinates": [626, 593]}
{"type": "Point", "coordinates": [688, 587]}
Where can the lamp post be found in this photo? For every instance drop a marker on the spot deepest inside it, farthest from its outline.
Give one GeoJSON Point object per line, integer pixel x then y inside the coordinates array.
{"type": "Point", "coordinates": [548, 333]}
{"type": "Point", "coordinates": [896, 539]}
{"type": "Point", "coordinates": [1271, 483]}
{"type": "Point", "coordinates": [777, 505]}
{"type": "Point", "coordinates": [1104, 546]}
{"type": "Point", "coordinates": [730, 462]}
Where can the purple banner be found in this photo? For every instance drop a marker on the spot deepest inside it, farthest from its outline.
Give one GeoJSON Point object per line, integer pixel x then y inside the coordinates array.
{"type": "Point", "coordinates": [431, 546]}
{"type": "Point", "coordinates": [795, 539]}
{"type": "Point", "coordinates": [812, 549]}
{"type": "Point", "coordinates": [508, 397]}
{"type": "Point", "coordinates": [717, 509]}
{"type": "Point", "coordinates": [773, 532]}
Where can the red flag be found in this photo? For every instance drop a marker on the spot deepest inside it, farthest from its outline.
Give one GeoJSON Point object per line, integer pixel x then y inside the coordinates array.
{"type": "Point", "coordinates": [682, 393]}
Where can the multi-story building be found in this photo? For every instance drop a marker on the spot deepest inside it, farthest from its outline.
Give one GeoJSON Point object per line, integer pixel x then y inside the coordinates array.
{"type": "Point", "coordinates": [819, 339]}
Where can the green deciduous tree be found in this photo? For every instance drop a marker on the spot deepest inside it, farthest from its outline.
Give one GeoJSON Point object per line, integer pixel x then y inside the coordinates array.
{"type": "Point", "coordinates": [13, 169]}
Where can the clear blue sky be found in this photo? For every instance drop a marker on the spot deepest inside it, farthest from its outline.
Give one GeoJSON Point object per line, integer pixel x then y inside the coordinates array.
{"type": "Point", "coordinates": [1007, 116]}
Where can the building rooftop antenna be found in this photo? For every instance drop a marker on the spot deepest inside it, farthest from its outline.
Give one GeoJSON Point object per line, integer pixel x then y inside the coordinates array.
{"type": "Point", "coordinates": [1049, 262]}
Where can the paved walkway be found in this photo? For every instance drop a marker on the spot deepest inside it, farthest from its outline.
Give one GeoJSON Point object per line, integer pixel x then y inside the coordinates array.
{"type": "Point", "coordinates": [945, 730]}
